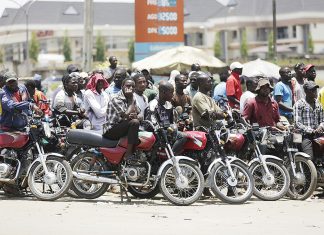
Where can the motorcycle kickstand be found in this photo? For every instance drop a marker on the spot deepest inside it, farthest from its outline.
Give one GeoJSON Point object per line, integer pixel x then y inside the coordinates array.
{"type": "Point", "coordinates": [122, 191]}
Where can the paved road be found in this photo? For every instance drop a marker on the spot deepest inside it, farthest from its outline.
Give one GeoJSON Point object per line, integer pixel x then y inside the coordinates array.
{"type": "Point", "coordinates": [108, 215]}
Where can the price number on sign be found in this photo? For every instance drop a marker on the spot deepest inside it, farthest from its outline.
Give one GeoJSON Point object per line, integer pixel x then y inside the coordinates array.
{"type": "Point", "coordinates": [168, 30]}
{"type": "Point", "coordinates": [167, 16]}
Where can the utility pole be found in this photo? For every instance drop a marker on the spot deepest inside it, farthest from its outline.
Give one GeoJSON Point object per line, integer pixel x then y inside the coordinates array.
{"type": "Point", "coordinates": [87, 37]}
{"type": "Point", "coordinates": [274, 28]}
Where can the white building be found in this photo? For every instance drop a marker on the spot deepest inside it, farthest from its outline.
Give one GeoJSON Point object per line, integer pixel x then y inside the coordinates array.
{"type": "Point", "coordinates": [115, 22]}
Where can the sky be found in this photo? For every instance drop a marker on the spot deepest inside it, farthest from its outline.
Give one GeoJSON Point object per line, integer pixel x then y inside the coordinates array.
{"type": "Point", "coordinates": [15, 3]}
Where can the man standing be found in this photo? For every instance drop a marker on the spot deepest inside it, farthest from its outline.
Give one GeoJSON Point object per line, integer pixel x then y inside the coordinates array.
{"type": "Point", "coordinates": [140, 86]}
{"type": "Point", "coordinates": [262, 109]}
{"type": "Point", "coordinates": [109, 72]}
{"type": "Point", "coordinates": [15, 104]}
{"type": "Point", "coordinates": [251, 85]}
{"type": "Point", "coordinates": [233, 85]}
{"type": "Point", "coordinates": [195, 67]}
{"type": "Point", "coordinates": [180, 98]}
{"type": "Point", "coordinates": [298, 82]}
{"type": "Point", "coordinates": [192, 89]}
{"type": "Point", "coordinates": [119, 75]}
{"type": "Point", "coordinates": [283, 94]}
{"type": "Point", "coordinates": [220, 88]}
{"type": "Point", "coordinates": [309, 116]}
{"type": "Point", "coordinates": [204, 108]}
{"type": "Point", "coordinates": [310, 72]}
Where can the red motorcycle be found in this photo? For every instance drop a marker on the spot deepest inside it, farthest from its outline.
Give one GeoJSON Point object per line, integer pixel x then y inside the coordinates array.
{"type": "Point", "coordinates": [23, 163]}
{"type": "Point", "coordinates": [318, 150]}
{"type": "Point", "coordinates": [154, 167]}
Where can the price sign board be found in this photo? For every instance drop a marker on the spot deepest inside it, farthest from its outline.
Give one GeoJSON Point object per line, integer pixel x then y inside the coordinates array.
{"type": "Point", "coordinates": [158, 25]}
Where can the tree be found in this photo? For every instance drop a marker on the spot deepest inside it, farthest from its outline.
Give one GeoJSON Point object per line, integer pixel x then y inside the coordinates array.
{"type": "Point", "coordinates": [34, 47]}
{"type": "Point", "coordinates": [100, 48]}
{"type": "Point", "coordinates": [131, 51]}
{"type": "Point", "coordinates": [244, 46]}
{"type": "Point", "coordinates": [66, 48]}
{"type": "Point", "coordinates": [310, 43]}
{"type": "Point", "coordinates": [217, 46]}
{"type": "Point", "coordinates": [270, 45]}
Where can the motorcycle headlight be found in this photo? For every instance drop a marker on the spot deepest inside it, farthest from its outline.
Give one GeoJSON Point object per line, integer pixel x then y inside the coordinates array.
{"type": "Point", "coordinates": [224, 135]}
{"type": "Point", "coordinates": [47, 129]}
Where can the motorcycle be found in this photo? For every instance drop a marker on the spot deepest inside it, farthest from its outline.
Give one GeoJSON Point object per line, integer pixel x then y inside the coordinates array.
{"type": "Point", "coordinates": [227, 176]}
{"type": "Point", "coordinates": [270, 175]}
{"type": "Point", "coordinates": [318, 150]}
{"type": "Point", "coordinates": [300, 166]}
{"type": "Point", "coordinates": [23, 163]}
{"type": "Point", "coordinates": [154, 167]}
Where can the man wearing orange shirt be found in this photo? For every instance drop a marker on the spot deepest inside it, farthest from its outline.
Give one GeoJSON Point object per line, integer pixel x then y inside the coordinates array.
{"type": "Point", "coordinates": [233, 85]}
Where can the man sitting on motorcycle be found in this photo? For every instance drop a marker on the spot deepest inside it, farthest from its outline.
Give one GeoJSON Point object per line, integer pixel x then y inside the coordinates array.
{"type": "Point", "coordinates": [15, 103]}
{"type": "Point", "coordinates": [65, 101]}
{"type": "Point", "coordinates": [123, 117]}
{"type": "Point", "coordinates": [202, 102]}
{"type": "Point", "coordinates": [309, 117]}
{"type": "Point", "coordinates": [262, 109]}
{"type": "Point", "coordinates": [161, 111]}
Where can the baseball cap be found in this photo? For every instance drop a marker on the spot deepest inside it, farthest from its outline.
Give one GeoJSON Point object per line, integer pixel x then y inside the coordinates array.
{"type": "Point", "coordinates": [9, 76]}
{"type": "Point", "coordinates": [262, 82]}
{"type": "Point", "coordinates": [309, 85]}
{"type": "Point", "coordinates": [236, 65]}
{"type": "Point", "coordinates": [307, 67]}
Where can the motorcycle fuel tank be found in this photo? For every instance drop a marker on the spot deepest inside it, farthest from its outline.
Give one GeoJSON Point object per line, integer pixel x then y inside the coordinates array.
{"type": "Point", "coordinates": [147, 140]}
{"type": "Point", "coordinates": [13, 139]}
{"type": "Point", "coordinates": [196, 140]}
{"type": "Point", "coordinates": [235, 142]}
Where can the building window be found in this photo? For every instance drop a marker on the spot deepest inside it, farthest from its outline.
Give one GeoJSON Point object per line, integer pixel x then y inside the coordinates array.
{"type": "Point", "coordinates": [9, 53]}
{"type": "Point", "coordinates": [194, 39]}
{"type": "Point", "coordinates": [43, 46]}
{"type": "Point", "coordinates": [282, 32]}
{"type": "Point", "coordinates": [294, 31]}
{"type": "Point", "coordinates": [262, 34]}
{"type": "Point", "coordinates": [234, 35]}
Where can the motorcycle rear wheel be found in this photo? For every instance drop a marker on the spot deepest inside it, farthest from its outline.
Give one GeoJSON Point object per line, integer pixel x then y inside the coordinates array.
{"type": "Point", "coordinates": [60, 177]}
{"type": "Point", "coordinates": [186, 194]}
{"type": "Point", "coordinates": [86, 189]}
{"type": "Point", "coordinates": [281, 183]}
{"type": "Point", "coordinates": [305, 188]}
{"type": "Point", "coordinates": [238, 194]}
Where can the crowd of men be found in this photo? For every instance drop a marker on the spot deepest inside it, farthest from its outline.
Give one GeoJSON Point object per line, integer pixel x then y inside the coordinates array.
{"type": "Point", "coordinates": [116, 100]}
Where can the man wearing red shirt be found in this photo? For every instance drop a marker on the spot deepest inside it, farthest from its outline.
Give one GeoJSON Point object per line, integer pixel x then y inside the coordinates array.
{"type": "Point", "coordinates": [233, 85]}
{"type": "Point", "coordinates": [262, 109]}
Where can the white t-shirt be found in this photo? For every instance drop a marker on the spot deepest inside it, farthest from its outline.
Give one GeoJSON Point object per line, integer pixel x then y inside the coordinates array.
{"type": "Point", "coordinates": [245, 96]}
{"type": "Point", "coordinates": [142, 103]}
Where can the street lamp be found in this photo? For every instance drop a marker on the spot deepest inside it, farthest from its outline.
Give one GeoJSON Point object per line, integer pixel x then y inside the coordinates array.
{"type": "Point", "coordinates": [26, 11]}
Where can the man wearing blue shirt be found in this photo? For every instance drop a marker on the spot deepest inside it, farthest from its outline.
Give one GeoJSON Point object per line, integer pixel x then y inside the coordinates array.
{"type": "Point", "coordinates": [119, 76]}
{"type": "Point", "coordinates": [283, 94]}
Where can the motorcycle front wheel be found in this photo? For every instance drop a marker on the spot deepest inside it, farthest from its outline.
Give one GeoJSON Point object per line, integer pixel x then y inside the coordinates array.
{"type": "Point", "coordinates": [221, 181]}
{"type": "Point", "coordinates": [182, 192]}
{"type": "Point", "coordinates": [51, 186]}
{"type": "Point", "coordinates": [144, 192]}
{"type": "Point", "coordinates": [88, 162]}
{"type": "Point", "coordinates": [304, 184]}
{"type": "Point", "coordinates": [273, 187]}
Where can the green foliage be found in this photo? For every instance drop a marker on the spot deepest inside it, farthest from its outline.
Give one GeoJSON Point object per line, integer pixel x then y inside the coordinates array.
{"type": "Point", "coordinates": [100, 48]}
{"type": "Point", "coordinates": [34, 47]}
{"type": "Point", "coordinates": [217, 46]}
{"type": "Point", "coordinates": [131, 51]}
{"type": "Point", "coordinates": [310, 43]}
{"type": "Point", "coordinates": [244, 46]}
{"type": "Point", "coordinates": [66, 48]}
{"type": "Point", "coordinates": [270, 45]}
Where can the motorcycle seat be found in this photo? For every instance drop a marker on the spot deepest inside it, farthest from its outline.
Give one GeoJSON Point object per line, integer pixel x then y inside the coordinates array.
{"type": "Point", "coordinates": [89, 138]}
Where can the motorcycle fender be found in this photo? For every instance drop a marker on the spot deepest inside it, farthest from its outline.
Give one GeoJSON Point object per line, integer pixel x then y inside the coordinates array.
{"type": "Point", "coordinates": [235, 159]}
{"type": "Point", "coordinates": [169, 161]}
{"type": "Point", "coordinates": [230, 159]}
{"type": "Point", "coordinates": [265, 157]}
{"type": "Point", "coordinates": [305, 155]}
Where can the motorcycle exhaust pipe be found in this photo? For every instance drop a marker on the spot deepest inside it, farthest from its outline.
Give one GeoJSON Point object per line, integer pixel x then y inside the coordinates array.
{"type": "Point", "coordinates": [86, 177]}
{"type": "Point", "coordinates": [8, 181]}
{"type": "Point", "coordinates": [82, 176]}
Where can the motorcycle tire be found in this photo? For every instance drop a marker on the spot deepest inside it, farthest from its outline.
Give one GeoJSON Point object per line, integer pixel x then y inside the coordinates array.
{"type": "Point", "coordinates": [304, 187]}
{"type": "Point", "coordinates": [60, 174]}
{"type": "Point", "coordinates": [86, 189]}
{"type": "Point", "coordinates": [238, 194]}
{"type": "Point", "coordinates": [182, 195]}
{"type": "Point", "coordinates": [262, 189]}
{"type": "Point", "coordinates": [143, 192]}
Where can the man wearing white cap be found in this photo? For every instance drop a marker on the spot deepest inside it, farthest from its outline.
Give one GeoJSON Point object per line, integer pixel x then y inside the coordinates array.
{"type": "Point", "coordinates": [233, 85]}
